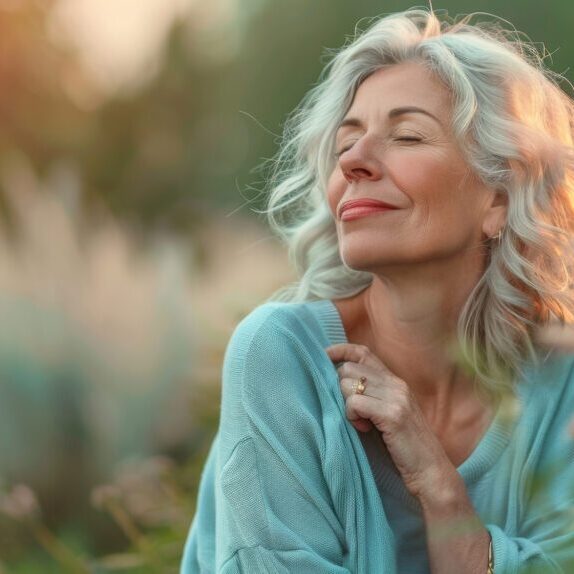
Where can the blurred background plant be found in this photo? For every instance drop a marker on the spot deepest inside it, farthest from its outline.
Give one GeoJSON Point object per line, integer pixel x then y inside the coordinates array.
{"type": "Point", "coordinates": [129, 249]}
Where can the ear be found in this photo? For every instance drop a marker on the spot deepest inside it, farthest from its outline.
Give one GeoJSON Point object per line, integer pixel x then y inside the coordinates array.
{"type": "Point", "coordinates": [495, 214]}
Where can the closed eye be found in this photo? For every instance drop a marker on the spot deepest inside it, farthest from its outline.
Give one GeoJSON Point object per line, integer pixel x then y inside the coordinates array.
{"type": "Point", "coordinates": [406, 139]}
{"type": "Point", "coordinates": [338, 154]}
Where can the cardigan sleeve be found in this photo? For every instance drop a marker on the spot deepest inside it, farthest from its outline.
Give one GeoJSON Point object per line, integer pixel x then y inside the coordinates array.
{"type": "Point", "coordinates": [273, 509]}
{"type": "Point", "coordinates": [545, 541]}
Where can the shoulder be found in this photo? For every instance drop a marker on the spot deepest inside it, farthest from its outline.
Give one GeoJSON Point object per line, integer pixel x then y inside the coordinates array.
{"type": "Point", "coordinates": [563, 371]}
{"type": "Point", "coordinates": [550, 407]}
{"type": "Point", "coordinates": [550, 403]}
{"type": "Point", "coordinates": [276, 313]}
{"type": "Point", "coordinates": [272, 324]}
{"type": "Point", "coordinates": [277, 346]}
{"type": "Point", "coordinates": [552, 381]}
{"type": "Point", "coordinates": [273, 334]}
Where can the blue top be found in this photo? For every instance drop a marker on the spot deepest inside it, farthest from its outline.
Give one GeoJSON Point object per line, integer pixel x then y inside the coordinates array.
{"type": "Point", "coordinates": [289, 485]}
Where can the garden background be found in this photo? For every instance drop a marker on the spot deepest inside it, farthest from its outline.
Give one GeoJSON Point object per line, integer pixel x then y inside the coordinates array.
{"type": "Point", "coordinates": [132, 135]}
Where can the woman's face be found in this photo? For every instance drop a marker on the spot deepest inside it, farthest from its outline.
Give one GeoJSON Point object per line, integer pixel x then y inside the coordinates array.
{"type": "Point", "coordinates": [411, 160]}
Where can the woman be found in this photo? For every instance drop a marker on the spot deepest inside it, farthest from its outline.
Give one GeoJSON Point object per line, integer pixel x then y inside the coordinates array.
{"type": "Point", "coordinates": [430, 177]}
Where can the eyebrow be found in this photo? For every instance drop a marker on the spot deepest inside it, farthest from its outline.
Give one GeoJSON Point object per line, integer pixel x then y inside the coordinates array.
{"type": "Point", "coordinates": [395, 112]}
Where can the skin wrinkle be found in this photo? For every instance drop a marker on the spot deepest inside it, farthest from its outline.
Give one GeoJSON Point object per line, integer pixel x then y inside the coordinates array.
{"type": "Point", "coordinates": [426, 256]}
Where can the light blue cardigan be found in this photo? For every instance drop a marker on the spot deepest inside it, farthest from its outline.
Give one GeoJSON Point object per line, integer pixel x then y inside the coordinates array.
{"type": "Point", "coordinates": [287, 486]}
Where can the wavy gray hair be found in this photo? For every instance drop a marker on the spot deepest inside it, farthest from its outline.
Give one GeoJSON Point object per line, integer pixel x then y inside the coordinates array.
{"type": "Point", "coordinates": [515, 127]}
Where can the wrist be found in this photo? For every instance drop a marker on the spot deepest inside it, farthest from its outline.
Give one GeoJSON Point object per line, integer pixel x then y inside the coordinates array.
{"type": "Point", "coordinates": [444, 494]}
{"type": "Point", "coordinates": [448, 511]}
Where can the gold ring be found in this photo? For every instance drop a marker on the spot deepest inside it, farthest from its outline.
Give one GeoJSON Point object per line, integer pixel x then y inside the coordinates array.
{"type": "Point", "coordinates": [359, 386]}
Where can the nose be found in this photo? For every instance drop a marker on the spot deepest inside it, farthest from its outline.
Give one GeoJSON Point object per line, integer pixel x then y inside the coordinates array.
{"type": "Point", "coordinates": [359, 162]}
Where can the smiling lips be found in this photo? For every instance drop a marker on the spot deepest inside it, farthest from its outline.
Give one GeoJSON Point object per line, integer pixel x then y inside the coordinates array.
{"type": "Point", "coordinates": [355, 208]}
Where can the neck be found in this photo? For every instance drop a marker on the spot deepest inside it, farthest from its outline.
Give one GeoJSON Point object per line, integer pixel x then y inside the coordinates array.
{"type": "Point", "coordinates": [411, 319]}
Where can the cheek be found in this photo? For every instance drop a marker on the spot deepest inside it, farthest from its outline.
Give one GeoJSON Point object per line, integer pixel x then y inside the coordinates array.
{"type": "Point", "coordinates": [431, 185]}
{"type": "Point", "coordinates": [417, 173]}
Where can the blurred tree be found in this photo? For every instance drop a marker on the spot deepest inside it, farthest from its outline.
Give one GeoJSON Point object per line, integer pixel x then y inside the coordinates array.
{"type": "Point", "coordinates": [36, 115]}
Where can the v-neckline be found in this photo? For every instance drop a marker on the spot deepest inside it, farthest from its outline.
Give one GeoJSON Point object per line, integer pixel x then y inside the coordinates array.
{"type": "Point", "coordinates": [484, 455]}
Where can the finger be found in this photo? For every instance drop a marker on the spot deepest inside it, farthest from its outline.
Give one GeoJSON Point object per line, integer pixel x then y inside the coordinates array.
{"type": "Point", "coordinates": [349, 370]}
{"type": "Point", "coordinates": [351, 352]}
{"type": "Point", "coordinates": [373, 389]}
{"type": "Point", "coordinates": [361, 423]}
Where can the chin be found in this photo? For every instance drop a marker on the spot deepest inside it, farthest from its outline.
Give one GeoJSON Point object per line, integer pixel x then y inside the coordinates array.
{"type": "Point", "coordinates": [370, 264]}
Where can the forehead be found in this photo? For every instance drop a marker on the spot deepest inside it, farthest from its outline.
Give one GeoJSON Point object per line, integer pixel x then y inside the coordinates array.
{"type": "Point", "coordinates": [406, 84]}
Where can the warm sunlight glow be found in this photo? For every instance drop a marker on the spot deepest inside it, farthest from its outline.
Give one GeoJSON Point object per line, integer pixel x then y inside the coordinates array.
{"type": "Point", "coordinates": [119, 42]}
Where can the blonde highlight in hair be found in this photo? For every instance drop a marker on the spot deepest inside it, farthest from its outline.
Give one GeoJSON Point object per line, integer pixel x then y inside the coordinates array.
{"type": "Point", "coordinates": [515, 126]}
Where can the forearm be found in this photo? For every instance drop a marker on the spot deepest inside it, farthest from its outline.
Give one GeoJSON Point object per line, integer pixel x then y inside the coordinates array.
{"type": "Point", "coordinates": [457, 541]}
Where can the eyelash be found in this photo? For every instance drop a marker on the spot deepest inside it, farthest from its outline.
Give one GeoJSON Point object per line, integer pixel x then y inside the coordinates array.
{"type": "Point", "coordinates": [340, 153]}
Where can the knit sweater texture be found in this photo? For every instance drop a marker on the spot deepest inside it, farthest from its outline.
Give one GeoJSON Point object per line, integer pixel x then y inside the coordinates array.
{"type": "Point", "coordinates": [291, 487]}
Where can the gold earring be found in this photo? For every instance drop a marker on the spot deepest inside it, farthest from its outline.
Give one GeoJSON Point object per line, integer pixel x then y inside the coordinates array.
{"type": "Point", "coordinates": [498, 236]}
